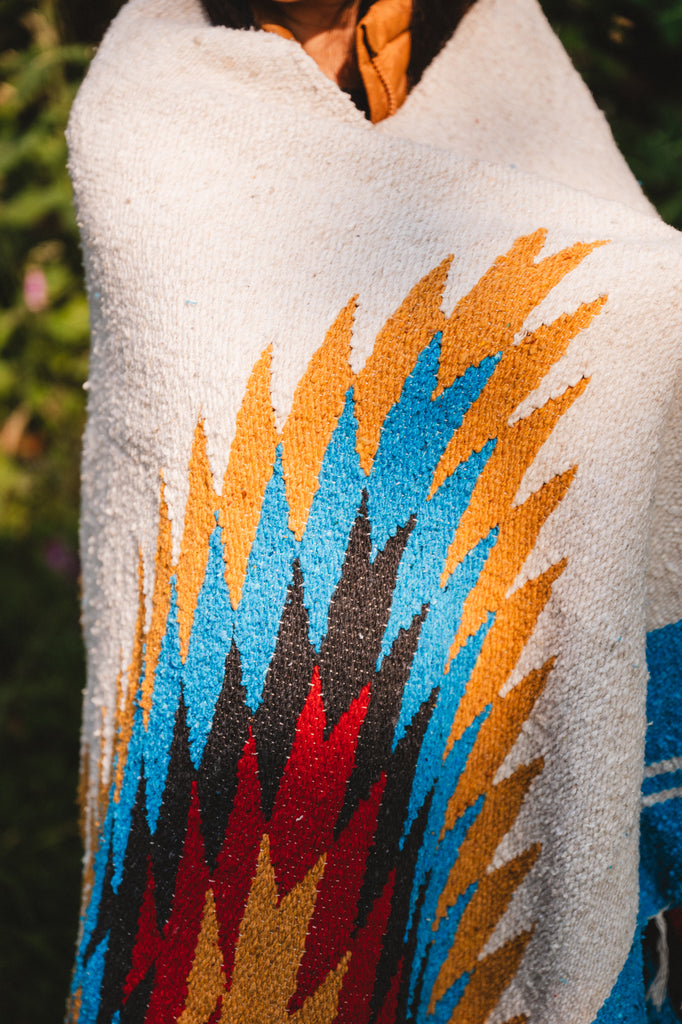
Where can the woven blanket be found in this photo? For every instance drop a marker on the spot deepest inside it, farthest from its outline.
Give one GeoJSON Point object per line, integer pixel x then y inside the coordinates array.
{"type": "Point", "coordinates": [382, 520]}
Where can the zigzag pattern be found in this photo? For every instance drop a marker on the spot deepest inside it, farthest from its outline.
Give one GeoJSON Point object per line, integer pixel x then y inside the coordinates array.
{"type": "Point", "coordinates": [303, 808]}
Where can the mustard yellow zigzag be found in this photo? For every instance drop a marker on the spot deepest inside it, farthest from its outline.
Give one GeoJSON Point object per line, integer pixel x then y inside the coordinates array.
{"type": "Point", "coordinates": [206, 980]}
{"type": "Point", "coordinates": [518, 532]}
{"type": "Point", "coordinates": [161, 597]}
{"type": "Point", "coordinates": [486, 320]}
{"type": "Point", "coordinates": [490, 978]}
{"type": "Point", "coordinates": [496, 487]}
{"type": "Point", "coordinates": [317, 406]}
{"type": "Point", "coordinates": [125, 702]}
{"type": "Point", "coordinates": [502, 647]}
{"type": "Point", "coordinates": [318, 403]}
{"type": "Point", "coordinates": [492, 505]}
{"type": "Point", "coordinates": [517, 374]}
{"type": "Point", "coordinates": [249, 469]}
{"type": "Point", "coordinates": [495, 739]}
{"type": "Point", "coordinates": [484, 910]}
{"type": "Point", "coordinates": [395, 353]}
{"type": "Point", "coordinates": [269, 951]}
{"type": "Point", "coordinates": [202, 501]}
{"type": "Point", "coordinates": [503, 801]}
{"type": "Point", "coordinates": [496, 817]}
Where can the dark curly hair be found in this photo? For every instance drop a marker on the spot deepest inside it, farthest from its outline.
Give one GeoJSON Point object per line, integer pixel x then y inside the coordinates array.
{"type": "Point", "coordinates": [433, 22]}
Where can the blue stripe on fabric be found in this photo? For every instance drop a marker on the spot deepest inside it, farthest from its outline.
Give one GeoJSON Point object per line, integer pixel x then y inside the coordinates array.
{"type": "Point", "coordinates": [661, 823]}
{"type": "Point", "coordinates": [332, 514]}
{"type": "Point", "coordinates": [121, 813]}
{"type": "Point", "coordinates": [435, 956]}
{"type": "Point", "coordinates": [659, 783]}
{"type": "Point", "coordinates": [437, 634]}
{"type": "Point", "coordinates": [414, 436]}
{"type": "Point", "coordinates": [90, 920]}
{"type": "Point", "coordinates": [418, 580]}
{"type": "Point", "coordinates": [430, 762]}
{"type": "Point", "coordinates": [91, 983]}
{"type": "Point", "coordinates": [433, 866]}
{"type": "Point", "coordinates": [165, 700]}
{"type": "Point", "coordinates": [209, 645]}
{"type": "Point", "coordinates": [664, 694]}
{"type": "Point", "coordinates": [268, 576]}
{"type": "Point", "coordinates": [435, 858]}
{"type": "Point", "coordinates": [434, 863]}
{"type": "Point", "coordinates": [625, 1004]}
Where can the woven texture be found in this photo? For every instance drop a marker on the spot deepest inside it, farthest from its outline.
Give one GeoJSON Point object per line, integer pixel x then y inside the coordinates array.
{"type": "Point", "coordinates": [380, 526]}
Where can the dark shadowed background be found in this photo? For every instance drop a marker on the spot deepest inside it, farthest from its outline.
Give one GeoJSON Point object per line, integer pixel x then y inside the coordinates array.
{"type": "Point", "coordinates": [630, 52]}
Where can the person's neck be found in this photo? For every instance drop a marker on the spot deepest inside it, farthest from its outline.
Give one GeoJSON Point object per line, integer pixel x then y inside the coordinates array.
{"type": "Point", "coordinates": [326, 31]}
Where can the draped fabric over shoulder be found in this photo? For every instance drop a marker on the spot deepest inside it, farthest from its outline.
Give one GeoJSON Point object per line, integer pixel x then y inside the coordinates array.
{"type": "Point", "coordinates": [381, 522]}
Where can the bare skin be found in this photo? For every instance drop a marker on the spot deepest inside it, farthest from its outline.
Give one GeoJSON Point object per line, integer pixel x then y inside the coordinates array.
{"type": "Point", "coordinates": [326, 30]}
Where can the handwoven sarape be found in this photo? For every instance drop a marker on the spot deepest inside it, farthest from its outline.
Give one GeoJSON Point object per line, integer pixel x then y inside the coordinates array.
{"type": "Point", "coordinates": [381, 526]}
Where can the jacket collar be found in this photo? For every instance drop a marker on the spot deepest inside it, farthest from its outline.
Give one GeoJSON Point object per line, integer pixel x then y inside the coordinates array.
{"type": "Point", "coordinates": [383, 49]}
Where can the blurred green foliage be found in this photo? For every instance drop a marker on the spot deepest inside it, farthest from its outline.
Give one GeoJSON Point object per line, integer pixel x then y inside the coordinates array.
{"type": "Point", "coordinates": [43, 360]}
{"type": "Point", "coordinates": [43, 312]}
{"type": "Point", "coordinates": [629, 52]}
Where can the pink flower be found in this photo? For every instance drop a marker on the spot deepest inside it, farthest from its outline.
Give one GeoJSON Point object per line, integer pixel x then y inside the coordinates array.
{"type": "Point", "coordinates": [36, 294]}
{"type": "Point", "coordinates": [61, 558]}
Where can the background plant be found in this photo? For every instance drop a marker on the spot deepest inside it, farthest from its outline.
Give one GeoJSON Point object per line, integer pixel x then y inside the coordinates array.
{"type": "Point", "coordinates": [628, 50]}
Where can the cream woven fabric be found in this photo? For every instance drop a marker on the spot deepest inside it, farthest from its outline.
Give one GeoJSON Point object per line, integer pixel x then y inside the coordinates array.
{"type": "Point", "coordinates": [380, 498]}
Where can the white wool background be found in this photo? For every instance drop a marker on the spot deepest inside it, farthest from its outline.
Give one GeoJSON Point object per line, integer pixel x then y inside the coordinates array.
{"type": "Point", "coordinates": [230, 197]}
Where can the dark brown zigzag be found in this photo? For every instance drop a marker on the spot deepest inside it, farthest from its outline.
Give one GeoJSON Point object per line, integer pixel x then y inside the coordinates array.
{"type": "Point", "coordinates": [286, 687]}
{"type": "Point", "coordinates": [135, 1007]}
{"type": "Point", "coordinates": [358, 615]}
{"type": "Point", "coordinates": [375, 742]}
{"type": "Point", "coordinates": [217, 774]}
{"type": "Point", "coordinates": [386, 853]}
{"type": "Point", "coordinates": [363, 598]}
{"type": "Point", "coordinates": [166, 843]}
{"type": "Point", "coordinates": [395, 947]}
{"type": "Point", "coordinates": [412, 948]}
{"type": "Point", "coordinates": [118, 912]}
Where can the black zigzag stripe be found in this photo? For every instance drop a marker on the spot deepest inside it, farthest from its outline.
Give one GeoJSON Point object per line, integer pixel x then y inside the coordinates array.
{"type": "Point", "coordinates": [358, 615]}
{"type": "Point", "coordinates": [217, 774]}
